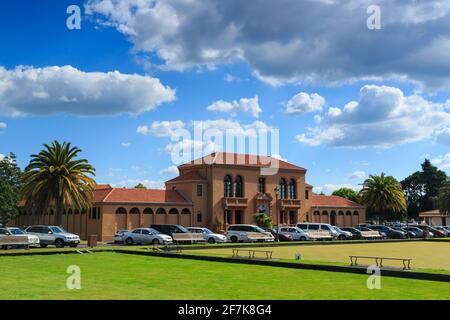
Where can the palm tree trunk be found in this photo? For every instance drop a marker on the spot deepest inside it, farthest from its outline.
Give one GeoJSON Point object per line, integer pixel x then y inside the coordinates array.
{"type": "Point", "coordinates": [59, 212]}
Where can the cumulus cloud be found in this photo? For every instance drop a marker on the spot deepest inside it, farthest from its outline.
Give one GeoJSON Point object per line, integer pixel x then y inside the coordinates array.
{"type": "Point", "coordinates": [54, 90]}
{"type": "Point", "coordinates": [442, 162]}
{"type": "Point", "coordinates": [358, 175]}
{"type": "Point", "coordinates": [171, 170]}
{"type": "Point", "coordinates": [244, 105]}
{"type": "Point", "coordinates": [189, 146]}
{"type": "Point", "coordinates": [161, 128]}
{"type": "Point", "coordinates": [314, 41]}
{"type": "Point", "coordinates": [382, 117]}
{"type": "Point", "coordinates": [304, 102]}
{"type": "Point", "coordinates": [3, 125]}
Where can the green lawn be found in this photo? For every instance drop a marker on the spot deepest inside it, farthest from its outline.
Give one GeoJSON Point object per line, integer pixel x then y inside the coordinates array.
{"type": "Point", "coordinates": [118, 276]}
{"type": "Point", "coordinates": [425, 254]}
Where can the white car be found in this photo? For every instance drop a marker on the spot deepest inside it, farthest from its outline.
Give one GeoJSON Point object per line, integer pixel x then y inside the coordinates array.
{"type": "Point", "coordinates": [208, 235]}
{"type": "Point", "coordinates": [33, 241]}
{"type": "Point", "coordinates": [247, 233]}
{"type": "Point", "coordinates": [296, 233]}
{"type": "Point", "coordinates": [146, 236]}
{"type": "Point", "coordinates": [53, 235]}
{"type": "Point", "coordinates": [118, 237]}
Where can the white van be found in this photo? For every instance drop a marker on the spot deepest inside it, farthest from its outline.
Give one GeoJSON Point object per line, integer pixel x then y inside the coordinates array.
{"type": "Point", "coordinates": [318, 230]}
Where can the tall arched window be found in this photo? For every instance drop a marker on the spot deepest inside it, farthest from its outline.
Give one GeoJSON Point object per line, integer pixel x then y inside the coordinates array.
{"type": "Point", "coordinates": [283, 188]}
{"type": "Point", "coordinates": [135, 211]}
{"type": "Point", "coordinates": [227, 187]}
{"type": "Point", "coordinates": [121, 211]}
{"type": "Point", "coordinates": [239, 187]}
{"type": "Point", "coordinates": [292, 192]}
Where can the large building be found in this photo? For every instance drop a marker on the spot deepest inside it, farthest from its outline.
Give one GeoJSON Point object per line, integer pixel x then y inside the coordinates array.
{"type": "Point", "coordinates": [213, 191]}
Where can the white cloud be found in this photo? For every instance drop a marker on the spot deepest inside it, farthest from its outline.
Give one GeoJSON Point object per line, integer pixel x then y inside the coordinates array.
{"type": "Point", "coordinates": [304, 102]}
{"type": "Point", "coordinates": [54, 90]}
{"type": "Point", "coordinates": [277, 156]}
{"type": "Point", "coordinates": [244, 105]}
{"type": "Point", "coordinates": [443, 137]}
{"type": "Point", "coordinates": [358, 175]}
{"type": "Point", "coordinates": [442, 162]}
{"type": "Point", "coordinates": [125, 144]}
{"type": "Point", "coordinates": [230, 78]}
{"type": "Point", "coordinates": [171, 170]}
{"type": "Point", "coordinates": [383, 117]}
{"type": "Point", "coordinates": [131, 183]}
{"type": "Point", "coordinates": [233, 127]}
{"type": "Point", "coordinates": [3, 125]}
{"type": "Point", "coordinates": [318, 47]}
{"type": "Point", "coordinates": [329, 187]}
{"type": "Point", "coordinates": [161, 128]}
{"type": "Point", "coordinates": [191, 146]}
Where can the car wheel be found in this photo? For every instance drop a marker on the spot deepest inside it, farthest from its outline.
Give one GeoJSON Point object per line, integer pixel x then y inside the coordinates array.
{"type": "Point", "coordinates": [59, 243]}
{"type": "Point", "coordinates": [234, 239]}
{"type": "Point", "coordinates": [211, 241]}
{"type": "Point", "coordinates": [155, 241]}
{"type": "Point", "coordinates": [302, 238]}
{"type": "Point", "coordinates": [341, 237]}
{"type": "Point", "coordinates": [43, 245]}
{"type": "Point", "coordinates": [129, 241]}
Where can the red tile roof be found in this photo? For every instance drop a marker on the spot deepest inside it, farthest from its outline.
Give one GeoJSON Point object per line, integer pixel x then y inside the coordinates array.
{"type": "Point", "coordinates": [122, 195]}
{"type": "Point", "coordinates": [189, 176]}
{"type": "Point", "coordinates": [102, 186]}
{"type": "Point", "coordinates": [222, 158]}
{"type": "Point", "coordinates": [333, 201]}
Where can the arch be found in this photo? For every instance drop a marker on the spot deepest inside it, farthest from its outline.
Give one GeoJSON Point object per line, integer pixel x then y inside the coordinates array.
{"type": "Point", "coordinates": [121, 210]}
{"type": "Point", "coordinates": [355, 213]}
{"type": "Point", "coordinates": [148, 211]}
{"type": "Point", "coordinates": [333, 217]}
{"type": "Point", "coordinates": [348, 213]}
{"type": "Point", "coordinates": [292, 189]}
{"type": "Point", "coordinates": [316, 213]}
{"type": "Point", "coordinates": [173, 211]}
{"type": "Point", "coordinates": [282, 188]}
{"type": "Point", "coordinates": [239, 187]}
{"type": "Point", "coordinates": [185, 211]}
{"type": "Point", "coordinates": [135, 211]}
{"type": "Point", "coordinates": [227, 187]}
{"type": "Point", "coordinates": [324, 212]}
{"type": "Point", "coordinates": [161, 211]}
{"type": "Point", "coordinates": [341, 213]}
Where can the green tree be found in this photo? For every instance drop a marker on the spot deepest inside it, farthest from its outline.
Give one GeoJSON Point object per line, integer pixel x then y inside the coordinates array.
{"type": "Point", "coordinates": [140, 186]}
{"type": "Point", "coordinates": [421, 188]}
{"type": "Point", "coordinates": [346, 193]}
{"type": "Point", "coordinates": [444, 198]}
{"type": "Point", "coordinates": [262, 220]}
{"type": "Point", "coordinates": [10, 171]}
{"type": "Point", "coordinates": [57, 179]}
{"type": "Point", "coordinates": [383, 196]}
{"type": "Point", "coordinates": [9, 201]}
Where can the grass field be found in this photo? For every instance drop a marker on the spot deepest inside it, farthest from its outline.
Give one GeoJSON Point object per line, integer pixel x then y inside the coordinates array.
{"type": "Point", "coordinates": [425, 255]}
{"type": "Point", "coordinates": [117, 276]}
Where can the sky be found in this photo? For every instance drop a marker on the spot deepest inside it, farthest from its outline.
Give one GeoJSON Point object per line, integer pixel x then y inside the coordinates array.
{"type": "Point", "coordinates": [350, 92]}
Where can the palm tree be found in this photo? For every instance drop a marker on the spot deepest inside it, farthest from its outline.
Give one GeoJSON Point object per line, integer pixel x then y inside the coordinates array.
{"type": "Point", "coordinates": [382, 194]}
{"type": "Point", "coordinates": [55, 180]}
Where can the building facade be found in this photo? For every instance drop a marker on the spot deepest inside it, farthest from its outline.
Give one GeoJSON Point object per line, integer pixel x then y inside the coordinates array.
{"type": "Point", "coordinates": [213, 192]}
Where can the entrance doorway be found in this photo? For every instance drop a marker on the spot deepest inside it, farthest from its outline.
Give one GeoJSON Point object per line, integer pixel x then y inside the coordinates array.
{"type": "Point", "coordinates": [238, 217]}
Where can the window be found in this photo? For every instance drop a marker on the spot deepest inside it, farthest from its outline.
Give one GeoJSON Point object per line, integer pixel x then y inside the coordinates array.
{"type": "Point", "coordinates": [292, 189]}
{"type": "Point", "coordinates": [282, 189]}
{"type": "Point", "coordinates": [262, 185]}
{"type": "Point", "coordinates": [306, 194]}
{"type": "Point", "coordinates": [94, 213]}
{"type": "Point", "coordinates": [121, 211]}
{"type": "Point", "coordinates": [227, 187]}
{"type": "Point", "coordinates": [137, 231]}
{"type": "Point", "coordinates": [239, 187]}
{"type": "Point", "coordinates": [313, 227]}
{"type": "Point", "coordinates": [98, 213]}
{"type": "Point", "coordinates": [199, 217]}
{"type": "Point", "coordinates": [135, 211]}
{"type": "Point", "coordinates": [199, 190]}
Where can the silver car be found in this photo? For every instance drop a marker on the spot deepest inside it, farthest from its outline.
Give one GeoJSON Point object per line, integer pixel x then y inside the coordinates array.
{"type": "Point", "coordinates": [208, 235]}
{"type": "Point", "coordinates": [146, 236]}
{"type": "Point", "coordinates": [53, 235]}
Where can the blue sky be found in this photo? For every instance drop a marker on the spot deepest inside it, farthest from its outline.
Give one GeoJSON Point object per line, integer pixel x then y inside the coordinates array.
{"type": "Point", "coordinates": [175, 58]}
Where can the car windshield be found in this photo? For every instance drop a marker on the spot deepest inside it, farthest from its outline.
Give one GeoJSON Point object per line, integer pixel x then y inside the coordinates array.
{"type": "Point", "coordinates": [16, 231]}
{"type": "Point", "coordinates": [154, 231]}
{"type": "Point", "coordinates": [258, 229]}
{"type": "Point", "coordinates": [337, 229]}
{"type": "Point", "coordinates": [183, 229]}
{"type": "Point", "coordinates": [57, 230]}
{"type": "Point", "coordinates": [207, 231]}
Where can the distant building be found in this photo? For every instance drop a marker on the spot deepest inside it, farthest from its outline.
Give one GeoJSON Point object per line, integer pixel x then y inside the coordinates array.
{"type": "Point", "coordinates": [213, 191]}
{"type": "Point", "coordinates": [435, 218]}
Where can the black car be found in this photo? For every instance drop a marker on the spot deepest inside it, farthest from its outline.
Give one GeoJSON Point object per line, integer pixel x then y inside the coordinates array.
{"type": "Point", "coordinates": [169, 229]}
{"type": "Point", "coordinates": [281, 237]}
{"type": "Point", "coordinates": [356, 234]}
{"type": "Point", "coordinates": [388, 231]}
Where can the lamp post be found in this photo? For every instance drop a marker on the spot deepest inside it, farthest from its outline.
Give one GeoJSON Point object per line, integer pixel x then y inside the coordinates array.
{"type": "Point", "coordinates": [277, 192]}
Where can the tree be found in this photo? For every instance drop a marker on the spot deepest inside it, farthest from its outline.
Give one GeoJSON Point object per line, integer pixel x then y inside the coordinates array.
{"type": "Point", "coordinates": [56, 179]}
{"type": "Point", "coordinates": [421, 188]}
{"type": "Point", "coordinates": [262, 220]}
{"type": "Point", "coordinates": [140, 186]}
{"type": "Point", "coordinates": [9, 201]}
{"type": "Point", "coordinates": [346, 193]}
{"type": "Point", "coordinates": [10, 171]}
{"type": "Point", "coordinates": [382, 196]}
{"type": "Point", "coordinates": [444, 198]}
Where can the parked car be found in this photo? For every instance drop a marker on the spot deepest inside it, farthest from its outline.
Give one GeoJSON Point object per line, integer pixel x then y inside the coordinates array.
{"type": "Point", "coordinates": [146, 236]}
{"type": "Point", "coordinates": [32, 240]}
{"type": "Point", "coordinates": [444, 230]}
{"type": "Point", "coordinates": [281, 237]}
{"type": "Point", "coordinates": [118, 237]}
{"type": "Point", "coordinates": [296, 233]}
{"type": "Point", "coordinates": [53, 235]}
{"type": "Point", "coordinates": [390, 233]}
{"type": "Point", "coordinates": [169, 229]}
{"type": "Point", "coordinates": [317, 231]}
{"type": "Point", "coordinates": [419, 232]}
{"type": "Point", "coordinates": [248, 233]}
{"type": "Point", "coordinates": [356, 234]}
{"type": "Point", "coordinates": [435, 232]}
{"type": "Point", "coordinates": [381, 234]}
{"type": "Point", "coordinates": [341, 234]}
{"type": "Point", "coordinates": [208, 235]}
{"type": "Point", "coordinates": [410, 233]}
